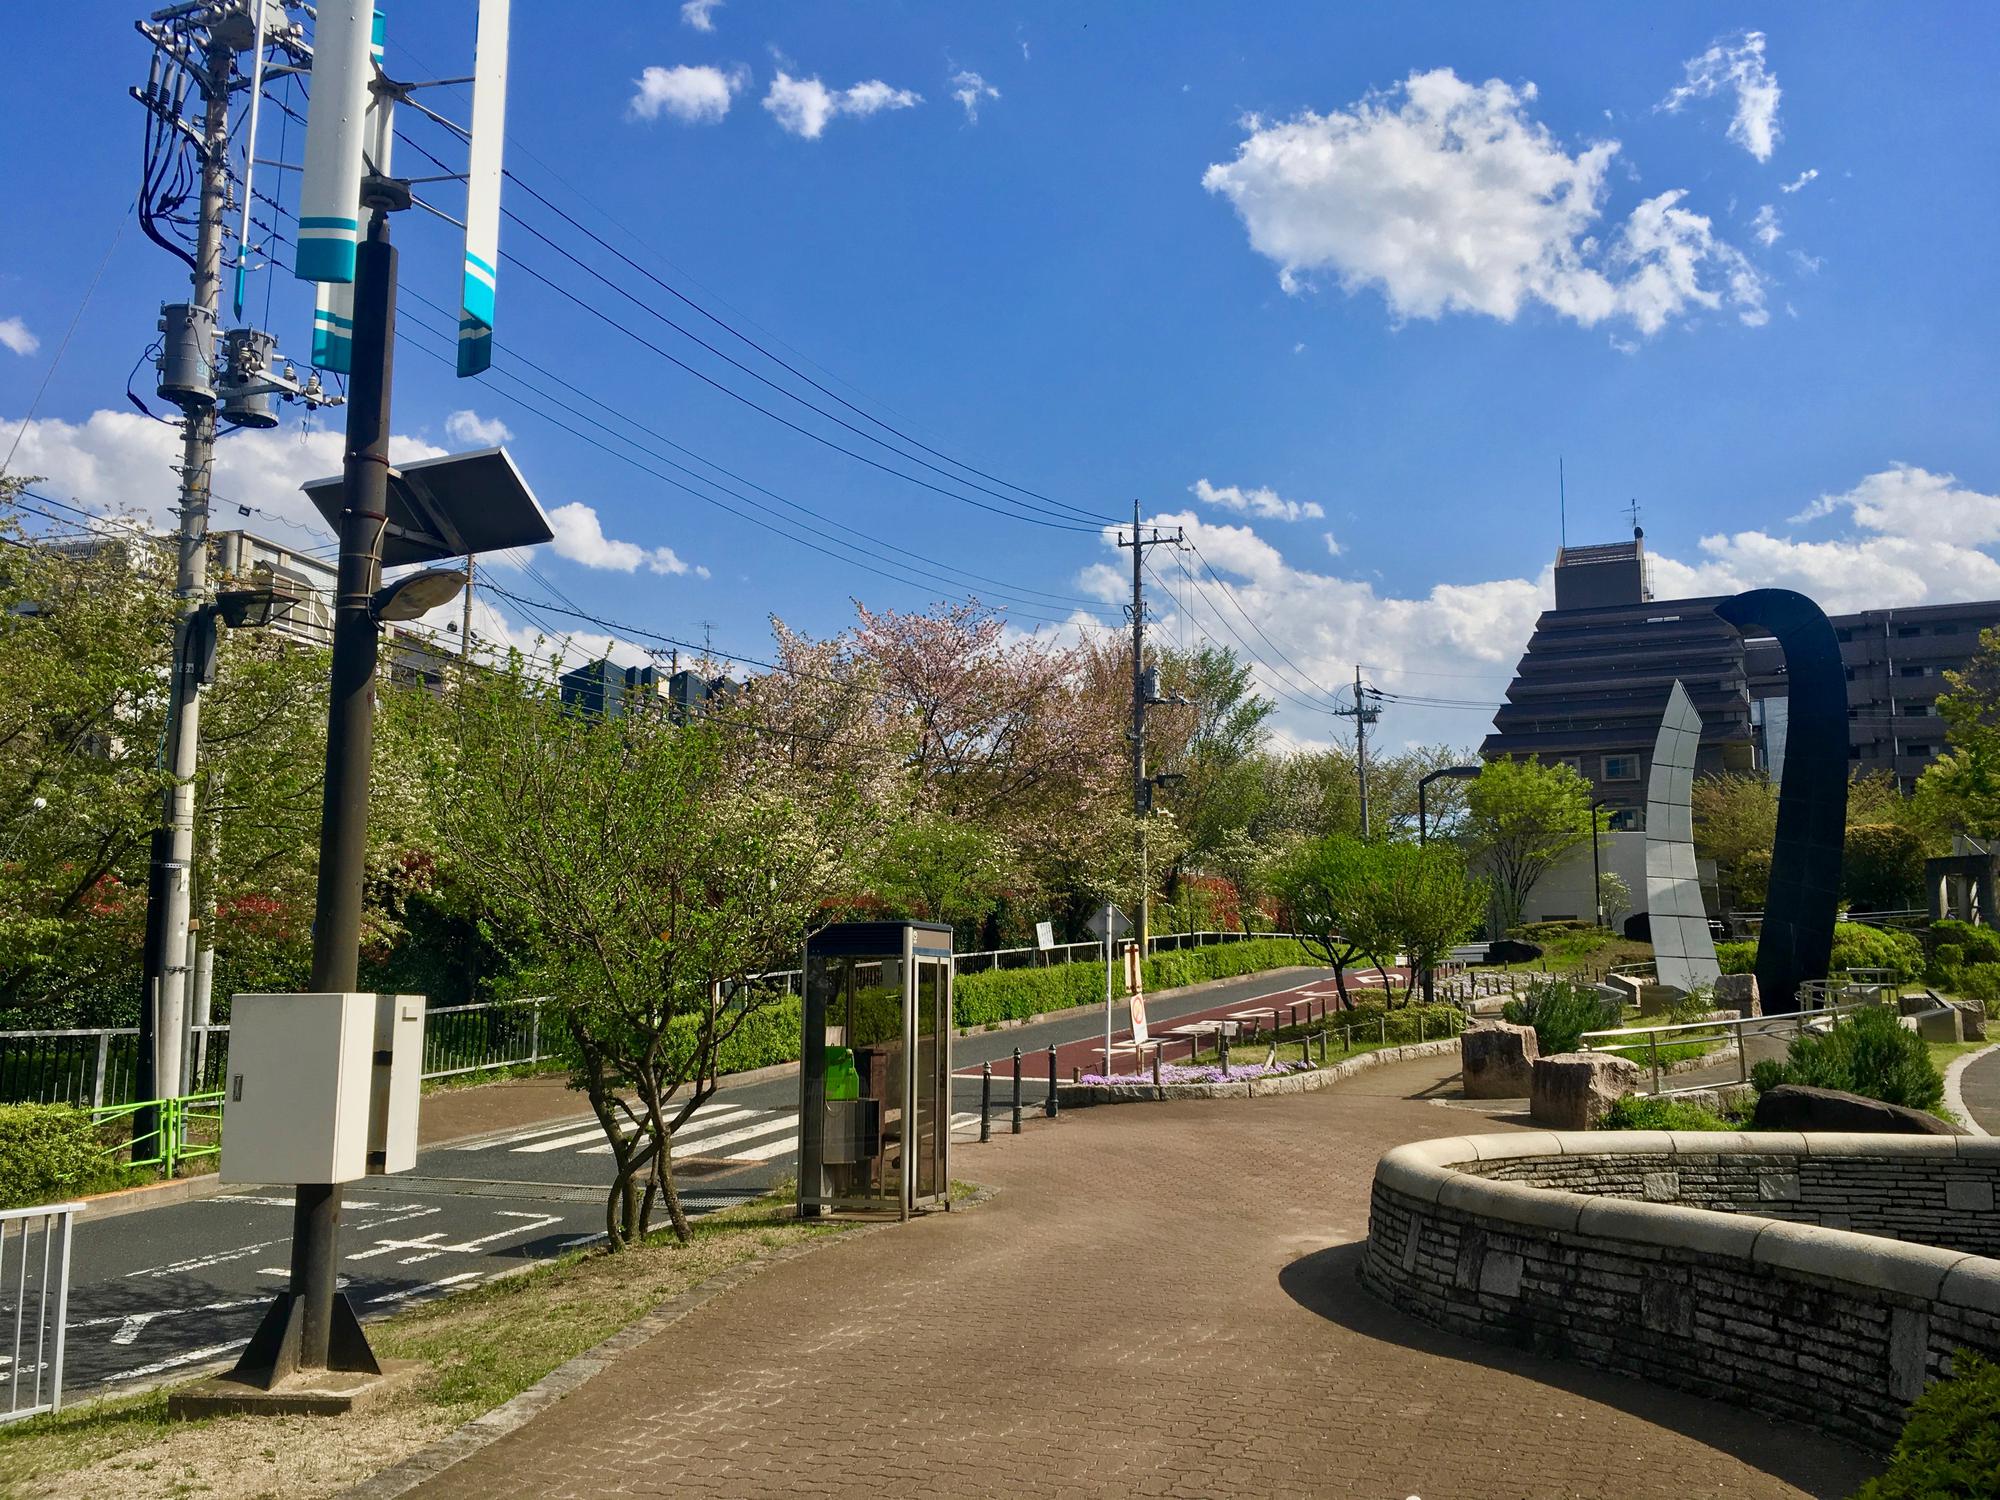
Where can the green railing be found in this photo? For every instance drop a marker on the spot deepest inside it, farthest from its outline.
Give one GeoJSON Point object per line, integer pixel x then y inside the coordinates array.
{"type": "Point", "coordinates": [164, 1133]}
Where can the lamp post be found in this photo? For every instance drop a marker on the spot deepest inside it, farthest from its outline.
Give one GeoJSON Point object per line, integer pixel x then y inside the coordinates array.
{"type": "Point", "coordinates": [1443, 773]}
{"type": "Point", "coordinates": [1596, 876]}
{"type": "Point", "coordinates": [1451, 773]}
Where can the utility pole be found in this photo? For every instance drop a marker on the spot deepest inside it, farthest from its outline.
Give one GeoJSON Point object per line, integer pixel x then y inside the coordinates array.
{"type": "Point", "coordinates": [465, 619]}
{"type": "Point", "coordinates": [1363, 716]}
{"type": "Point", "coordinates": [194, 378]}
{"type": "Point", "coordinates": [1145, 694]}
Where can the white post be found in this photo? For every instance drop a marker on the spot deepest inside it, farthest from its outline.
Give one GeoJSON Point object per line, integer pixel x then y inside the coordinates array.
{"type": "Point", "coordinates": [1108, 949]}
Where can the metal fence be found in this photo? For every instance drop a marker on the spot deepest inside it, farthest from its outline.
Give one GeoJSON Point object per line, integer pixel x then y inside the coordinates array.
{"type": "Point", "coordinates": [34, 1301]}
{"type": "Point", "coordinates": [98, 1067]}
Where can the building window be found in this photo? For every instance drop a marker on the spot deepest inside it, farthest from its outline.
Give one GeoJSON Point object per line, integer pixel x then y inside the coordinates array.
{"type": "Point", "coordinates": [1575, 763]}
{"type": "Point", "coordinates": [1624, 819]}
{"type": "Point", "coordinates": [1843, 635]}
{"type": "Point", "coordinates": [1854, 713]}
{"type": "Point", "coordinates": [1923, 750]}
{"type": "Point", "coordinates": [1850, 674]}
{"type": "Point", "coordinates": [1907, 632]}
{"type": "Point", "coordinates": [1621, 768]}
{"type": "Point", "coordinates": [1915, 671]}
{"type": "Point", "coordinates": [1854, 752]}
{"type": "Point", "coordinates": [1917, 710]}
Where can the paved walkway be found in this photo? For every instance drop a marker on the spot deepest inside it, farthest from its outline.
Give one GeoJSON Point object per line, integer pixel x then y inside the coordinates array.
{"type": "Point", "coordinates": [1160, 1300]}
{"type": "Point", "coordinates": [1979, 1086]}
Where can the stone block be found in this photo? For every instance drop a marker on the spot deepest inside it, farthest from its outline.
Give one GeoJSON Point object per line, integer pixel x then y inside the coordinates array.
{"type": "Point", "coordinates": [1969, 1197]}
{"type": "Point", "coordinates": [1660, 1187]}
{"type": "Point", "coordinates": [1792, 1106]}
{"type": "Point", "coordinates": [1497, 1060]}
{"type": "Point", "coordinates": [1971, 1018]}
{"type": "Point", "coordinates": [1738, 992]}
{"type": "Point", "coordinates": [1658, 999]}
{"type": "Point", "coordinates": [1625, 987]}
{"type": "Point", "coordinates": [1942, 1025]}
{"type": "Point", "coordinates": [1500, 1274]}
{"type": "Point", "coordinates": [1572, 1090]}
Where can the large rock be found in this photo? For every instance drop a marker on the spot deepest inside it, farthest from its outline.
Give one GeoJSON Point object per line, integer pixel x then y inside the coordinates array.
{"type": "Point", "coordinates": [1794, 1106]}
{"type": "Point", "coordinates": [1972, 1019]}
{"type": "Point", "coordinates": [1625, 986]}
{"type": "Point", "coordinates": [1497, 1060]}
{"type": "Point", "coordinates": [1572, 1090]}
{"type": "Point", "coordinates": [1738, 992]}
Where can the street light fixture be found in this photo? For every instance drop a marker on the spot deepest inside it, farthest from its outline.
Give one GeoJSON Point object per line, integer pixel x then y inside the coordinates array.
{"type": "Point", "coordinates": [416, 595]}
{"type": "Point", "coordinates": [1596, 875]}
{"type": "Point", "coordinates": [1451, 773]}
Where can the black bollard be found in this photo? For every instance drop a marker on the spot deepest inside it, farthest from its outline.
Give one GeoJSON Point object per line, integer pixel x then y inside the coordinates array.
{"type": "Point", "coordinates": [986, 1101]}
{"type": "Point", "coordinates": [1017, 1091]}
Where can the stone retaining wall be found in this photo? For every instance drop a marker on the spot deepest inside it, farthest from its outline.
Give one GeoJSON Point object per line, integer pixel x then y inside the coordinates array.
{"type": "Point", "coordinates": [1722, 1263]}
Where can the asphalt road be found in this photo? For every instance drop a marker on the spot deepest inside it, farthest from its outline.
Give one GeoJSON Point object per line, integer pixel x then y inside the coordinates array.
{"type": "Point", "coordinates": [183, 1286]}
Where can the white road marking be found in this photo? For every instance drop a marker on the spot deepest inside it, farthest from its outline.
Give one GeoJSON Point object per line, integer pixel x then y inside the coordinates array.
{"type": "Point", "coordinates": [778, 1147]}
{"type": "Point", "coordinates": [276, 1202]}
{"type": "Point", "coordinates": [129, 1331]}
{"type": "Point", "coordinates": [188, 1357]}
{"type": "Point", "coordinates": [595, 1133]}
{"type": "Point", "coordinates": [702, 1144]}
{"type": "Point", "coordinates": [515, 1140]}
{"type": "Point", "coordinates": [428, 1286]}
{"type": "Point", "coordinates": [383, 1247]}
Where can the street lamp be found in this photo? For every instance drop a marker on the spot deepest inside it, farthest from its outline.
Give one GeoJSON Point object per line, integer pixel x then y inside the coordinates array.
{"type": "Point", "coordinates": [1452, 773]}
{"type": "Point", "coordinates": [1596, 878]}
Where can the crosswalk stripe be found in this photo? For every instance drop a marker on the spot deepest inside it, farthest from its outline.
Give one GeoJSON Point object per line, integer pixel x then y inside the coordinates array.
{"type": "Point", "coordinates": [779, 1147]}
{"type": "Point", "coordinates": [595, 1133]}
{"type": "Point", "coordinates": [515, 1140]}
{"type": "Point", "coordinates": [703, 1144]}
{"type": "Point", "coordinates": [709, 1115]}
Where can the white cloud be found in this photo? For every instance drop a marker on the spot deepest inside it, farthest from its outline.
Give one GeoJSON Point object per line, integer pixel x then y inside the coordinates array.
{"type": "Point", "coordinates": [15, 335]}
{"type": "Point", "coordinates": [968, 88]}
{"type": "Point", "coordinates": [580, 538]}
{"type": "Point", "coordinates": [1736, 63]}
{"type": "Point", "coordinates": [122, 460]}
{"type": "Point", "coordinates": [1765, 226]}
{"type": "Point", "coordinates": [692, 95]}
{"type": "Point", "coordinates": [700, 14]}
{"type": "Point", "coordinates": [1912, 536]}
{"type": "Point", "coordinates": [804, 106]}
{"type": "Point", "coordinates": [1799, 181]}
{"type": "Point", "coordinates": [1265, 502]}
{"type": "Point", "coordinates": [1333, 548]}
{"type": "Point", "coordinates": [470, 427]}
{"type": "Point", "coordinates": [1448, 196]}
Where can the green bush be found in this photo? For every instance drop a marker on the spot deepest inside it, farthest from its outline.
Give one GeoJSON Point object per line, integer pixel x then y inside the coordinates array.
{"type": "Point", "coordinates": [1948, 956]}
{"type": "Point", "coordinates": [1977, 945]}
{"type": "Point", "coordinates": [1976, 982]}
{"type": "Point", "coordinates": [49, 1152]}
{"type": "Point", "coordinates": [1857, 946]}
{"type": "Point", "coordinates": [1950, 1447]}
{"type": "Point", "coordinates": [1561, 1012]}
{"type": "Point", "coordinates": [1869, 1053]}
{"type": "Point", "coordinates": [1013, 994]}
{"type": "Point", "coordinates": [1737, 958]}
{"type": "Point", "coordinates": [1646, 1112]}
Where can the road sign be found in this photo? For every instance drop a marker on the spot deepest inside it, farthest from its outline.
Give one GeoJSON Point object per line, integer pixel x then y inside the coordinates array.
{"type": "Point", "coordinates": [1109, 921]}
{"type": "Point", "coordinates": [1045, 935]}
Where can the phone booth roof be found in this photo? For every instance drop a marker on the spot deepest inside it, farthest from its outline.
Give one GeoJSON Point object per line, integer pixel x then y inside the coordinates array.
{"type": "Point", "coordinates": [872, 939]}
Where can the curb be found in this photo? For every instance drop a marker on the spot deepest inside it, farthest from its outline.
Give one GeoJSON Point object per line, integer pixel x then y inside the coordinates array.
{"type": "Point", "coordinates": [147, 1195]}
{"type": "Point", "coordinates": [1085, 1095]}
{"type": "Point", "coordinates": [1953, 1099]}
{"type": "Point", "coordinates": [577, 1371]}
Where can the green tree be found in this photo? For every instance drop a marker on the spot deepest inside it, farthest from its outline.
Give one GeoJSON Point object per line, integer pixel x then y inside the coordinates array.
{"type": "Point", "coordinates": [1222, 730]}
{"type": "Point", "coordinates": [1735, 824]}
{"type": "Point", "coordinates": [1882, 867]}
{"type": "Point", "coordinates": [1614, 897]}
{"type": "Point", "coordinates": [1964, 784]}
{"type": "Point", "coordinates": [935, 869]}
{"type": "Point", "coordinates": [85, 628]}
{"type": "Point", "coordinates": [1322, 885]}
{"type": "Point", "coordinates": [1419, 900]}
{"type": "Point", "coordinates": [1522, 817]}
{"type": "Point", "coordinates": [641, 869]}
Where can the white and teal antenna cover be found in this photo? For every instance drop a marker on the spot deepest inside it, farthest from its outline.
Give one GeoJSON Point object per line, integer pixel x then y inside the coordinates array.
{"type": "Point", "coordinates": [482, 189]}
{"type": "Point", "coordinates": [330, 188]}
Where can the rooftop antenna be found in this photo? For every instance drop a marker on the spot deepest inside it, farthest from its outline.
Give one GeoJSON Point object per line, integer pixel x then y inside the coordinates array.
{"type": "Point", "coordinates": [1632, 510]}
{"type": "Point", "coordinates": [1562, 504]}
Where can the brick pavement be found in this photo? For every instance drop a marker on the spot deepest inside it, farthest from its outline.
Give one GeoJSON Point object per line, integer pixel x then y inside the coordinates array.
{"type": "Point", "coordinates": [1159, 1301]}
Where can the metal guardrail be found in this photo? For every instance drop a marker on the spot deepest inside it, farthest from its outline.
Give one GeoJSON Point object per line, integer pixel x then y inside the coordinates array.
{"type": "Point", "coordinates": [98, 1067]}
{"type": "Point", "coordinates": [1709, 1036]}
{"type": "Point", "coordinates": [34, 1253]}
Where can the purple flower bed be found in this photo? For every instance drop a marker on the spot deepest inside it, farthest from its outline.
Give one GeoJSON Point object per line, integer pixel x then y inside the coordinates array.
{"type": "Point", "coordinates": [1181, 1073]}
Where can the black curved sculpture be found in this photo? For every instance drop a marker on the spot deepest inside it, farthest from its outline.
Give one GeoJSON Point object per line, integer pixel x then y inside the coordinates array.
{"type": "Point", "coordinates": [1804, 896]}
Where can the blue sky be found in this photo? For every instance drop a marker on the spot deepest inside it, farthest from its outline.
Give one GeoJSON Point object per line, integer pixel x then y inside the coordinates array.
{"type": "Point", "coordinates": [1384, 266]}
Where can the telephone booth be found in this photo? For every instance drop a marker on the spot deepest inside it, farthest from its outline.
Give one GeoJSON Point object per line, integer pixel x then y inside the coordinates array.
{"type": "Point", "coordinates": [875, 1069]}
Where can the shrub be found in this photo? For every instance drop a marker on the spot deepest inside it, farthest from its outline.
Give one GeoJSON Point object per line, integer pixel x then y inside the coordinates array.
{"type": "Point", "coordinates": [1646, 1112]}
{"type": "Point", "coordinates": [1977, 982]}
{"type": "Point", "coordinates": [1869, 1053]}
{"type": "Point", "coordinates": [1882, 866]}
{"type": "Point", "coordinates": [1856, 946]}
{"type": "Point", "coordinates": [1011, 994]}
{"type": "Point", "coordinates": [1976, 945]}
{"type": "Point", "coordinates": [1561, 1012]}
{"type": "Point", "coordinates": [1950, 1447]}
{"type": "Point", "coordinates": [1948, 956]}
{"type": "Point", "coordinates": [1737, 958]}
{"type": "Point", "coordinates": [49, 1152]}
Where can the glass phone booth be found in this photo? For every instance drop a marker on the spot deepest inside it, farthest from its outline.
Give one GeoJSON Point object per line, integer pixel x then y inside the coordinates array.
{"type": "Point", "coordinates": [875, 1069]}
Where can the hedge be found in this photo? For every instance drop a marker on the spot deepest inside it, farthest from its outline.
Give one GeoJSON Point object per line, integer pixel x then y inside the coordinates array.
{"type": "Point", "coordinates": [1015, 994]}
{"type": "Point", "coordinates": [49, 1152]}
{"type": "Point", "coordinates": [1855, 946]}
{"type": "Point", "coordinates": [1868, 1052]}
{"type": "Point", "coordinates": [1950, 1447]}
